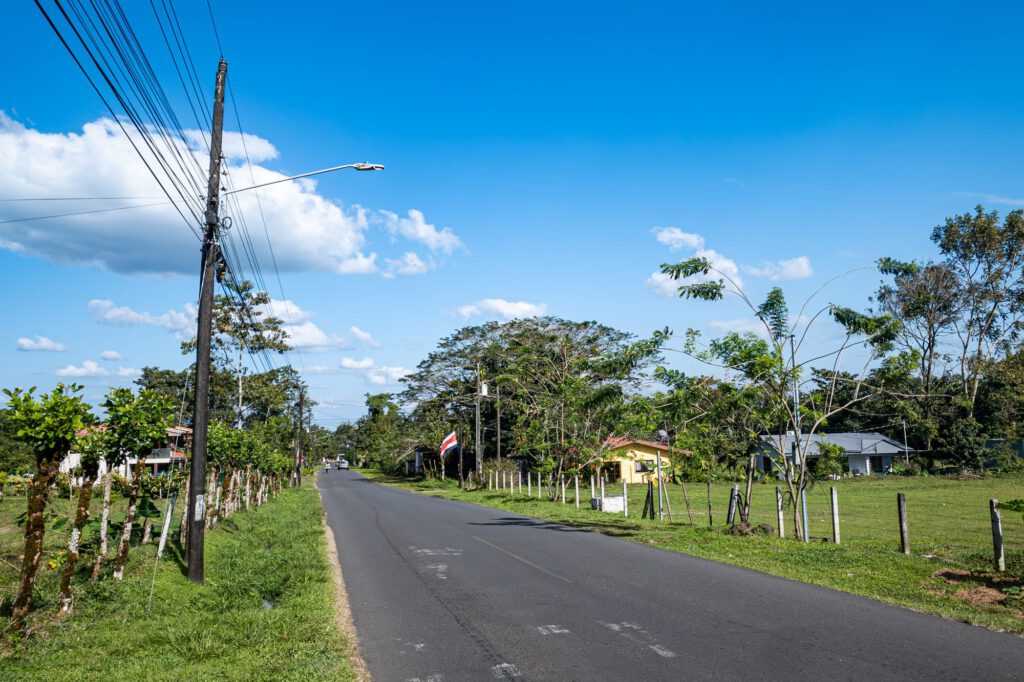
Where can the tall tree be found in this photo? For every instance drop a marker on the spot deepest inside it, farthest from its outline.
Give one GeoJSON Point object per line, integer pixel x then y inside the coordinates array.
{"type": "Point", "coordinates": [243, 324]}
{"type": "Point", "coordinates": [49, 426]}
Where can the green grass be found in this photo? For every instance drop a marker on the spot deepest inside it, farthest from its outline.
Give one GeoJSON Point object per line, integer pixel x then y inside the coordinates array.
{"type": "Point", "coordinates": [272, 557]}
{"type": "Point", "coordinates": [948, 520]}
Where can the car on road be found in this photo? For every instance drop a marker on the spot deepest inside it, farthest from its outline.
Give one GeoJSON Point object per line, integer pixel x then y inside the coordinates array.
{"type": "Point", "coordinates": [342, 463]}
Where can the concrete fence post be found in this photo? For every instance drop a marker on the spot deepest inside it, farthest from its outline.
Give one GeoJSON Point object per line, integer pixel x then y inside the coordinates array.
{"type": "Point", "coordinates": [529, 484]}
{"type": "Point", "coordinates": [901, 509]}
{"type": "Point", "coordinates": [519, 474]}
{"type": "Point", "coordinates": [576, 481]}
{"type": "Point", "coordinates": [778, 510]}
{"type": "Point", "coordinates": [835, 514]}
{"type": "Point", "coordinates": [563, 488]}
{"type": "Point", "coordinates": [731, 516]}
{"type": "Point", "coordinates": [602, 493]}
{"type": "Point", "coordinates": [997, 535]}
{"type": "Point", "coordinates": [591, 485]}
{"type": "Point", "coordinates": [625, 500]}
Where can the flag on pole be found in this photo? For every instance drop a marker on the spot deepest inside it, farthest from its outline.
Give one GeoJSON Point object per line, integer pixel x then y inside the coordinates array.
{"type": "Point", "coordinates": [449, 442]}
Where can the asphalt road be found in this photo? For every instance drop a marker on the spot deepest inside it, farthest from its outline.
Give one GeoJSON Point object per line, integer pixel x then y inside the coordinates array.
{"type": "Point", "coordinates": [446, 591]}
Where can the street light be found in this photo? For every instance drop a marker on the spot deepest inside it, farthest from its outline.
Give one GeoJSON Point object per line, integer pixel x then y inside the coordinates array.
{"type": "Point", "coordinates": [358, 166]}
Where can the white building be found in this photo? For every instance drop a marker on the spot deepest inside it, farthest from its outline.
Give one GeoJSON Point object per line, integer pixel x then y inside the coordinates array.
{"type": "Point", "coordinates": [863, 453]}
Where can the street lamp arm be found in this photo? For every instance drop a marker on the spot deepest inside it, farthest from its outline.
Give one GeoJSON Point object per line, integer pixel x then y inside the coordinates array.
{"type": "Point", "coordinates": [357, 166]}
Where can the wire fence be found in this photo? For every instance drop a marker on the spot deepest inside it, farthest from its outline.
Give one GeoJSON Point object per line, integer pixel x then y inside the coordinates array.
{"type": "Point", "coordinates": [946, 519]}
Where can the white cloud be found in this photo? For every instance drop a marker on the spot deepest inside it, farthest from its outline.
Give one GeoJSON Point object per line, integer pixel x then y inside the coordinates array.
{"type": "Point", "coordinates": [40, 343]}
{"type": "Point", "coordinates": [320, 369]}
{"type": "Point", "coordinates": [110, 355]}
{"type": "Point", "coordinates": [783, 270]}
{"type": "Point", "coordinates": [502, 308]}
{"type": "Point", "coordinates": [352, 363]}
{"type": "Point", "coordinates": [365, 337]}
{"type": "Point", "coordinates": [177, 322]}
{"type": "Point", "coordinates": [310, 232]}
{"type": "Point", "coordinates": [408, 264]}
{"type": "Point", "coordinates": [676, 239]}
{"type": "Point", "coordinates": [387, 375]}
{"type": "Point", "coordinates": [662, 285]}
{"type": "Point", "coordinates": [234, 147]}
{"type": "Point", "coordinates": [416, 228]}
{"type": "Point", "coordinates": [89, 368]}
{"type": "Point", "coordinates": [128, 372]}
{"type": "Point", "coordinates": [308, 336]}
{"type": "Point", "coordinates": [287, 311]}
{"type": "Point", "coordinates": [725, 266]}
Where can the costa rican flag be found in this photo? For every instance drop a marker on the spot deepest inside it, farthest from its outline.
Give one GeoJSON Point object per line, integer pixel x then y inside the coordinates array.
{"type": "Point", "coordinates": [449, 442]}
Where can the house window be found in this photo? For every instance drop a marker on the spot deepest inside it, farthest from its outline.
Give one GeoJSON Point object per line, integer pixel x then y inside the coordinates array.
{"type": "Point", "coordinates": [644, 465]}
{"type": "Point", "coordinates": [877, 466]}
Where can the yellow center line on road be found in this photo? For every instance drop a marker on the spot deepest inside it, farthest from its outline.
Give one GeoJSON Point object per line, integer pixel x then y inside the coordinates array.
{"type": "Point", "coordinates": [525, 561]}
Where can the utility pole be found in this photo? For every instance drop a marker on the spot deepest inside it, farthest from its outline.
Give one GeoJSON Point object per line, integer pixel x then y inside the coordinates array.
{"type": "Point", "coordinates": [476, 431]}
{"type": "Point", "coordinates": [200, 418]}
{"type": "Point", "coordinates": [298, 440]}
{"type": "Point", "coordinates": [497, 408]}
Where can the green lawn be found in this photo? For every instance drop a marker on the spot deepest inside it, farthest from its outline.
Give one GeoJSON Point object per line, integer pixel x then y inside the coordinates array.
{"type": "Point", "coordinates": [265, 612]}
{"type": "Point", "coordinates": [948, 520]}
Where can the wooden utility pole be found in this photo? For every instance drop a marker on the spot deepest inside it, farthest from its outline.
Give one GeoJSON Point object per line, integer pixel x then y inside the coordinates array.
{"type": "Point", "coordinates": [476, 430]}
{"type": "Point", "coordinates": [200, 419]}
{"type": "Point", "coordinates": [298, 440]}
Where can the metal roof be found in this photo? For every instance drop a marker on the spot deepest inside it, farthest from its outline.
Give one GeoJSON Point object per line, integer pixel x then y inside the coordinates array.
{"type": "Point", "coordinates": [869, 443]}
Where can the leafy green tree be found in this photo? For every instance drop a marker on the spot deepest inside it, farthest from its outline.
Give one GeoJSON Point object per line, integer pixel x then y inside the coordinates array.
{"type": "Point", "coordinates": [16, 457]}
{"type": "Point", "coordinates": [137, 424]}
{"type": "Point", "coordinates": [48, 426]}
{"type": "Point", "coordinates": [760, 363]}
{"type": "Point", "coordinates": [95, 447]}
{"type": "Point", "coordinates": [242, 324]}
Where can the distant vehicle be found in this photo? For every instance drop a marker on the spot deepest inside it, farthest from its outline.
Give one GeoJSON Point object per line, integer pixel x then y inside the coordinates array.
{"type": "Point", "coordinates": [343, 464]}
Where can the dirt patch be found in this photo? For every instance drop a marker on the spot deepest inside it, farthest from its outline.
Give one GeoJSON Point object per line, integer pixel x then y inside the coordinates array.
{"type": "Point", "coordinates": [956, 576]}
{"type": "Point", "coordinates": [980, 595]}
{"type": "Point", "coordinates": [344, 613]}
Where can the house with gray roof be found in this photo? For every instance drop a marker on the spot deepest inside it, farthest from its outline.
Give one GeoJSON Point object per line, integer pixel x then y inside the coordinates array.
{"type": "Point", "coordinates": [864, 453]}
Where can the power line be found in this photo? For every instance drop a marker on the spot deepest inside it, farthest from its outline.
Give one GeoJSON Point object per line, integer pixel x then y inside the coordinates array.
{"type": "Point", "coordinates": [77, 213]}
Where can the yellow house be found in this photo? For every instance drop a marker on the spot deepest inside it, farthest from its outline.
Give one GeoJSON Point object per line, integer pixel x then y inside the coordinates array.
{"type": "Point", "coordinates": [634, 461]}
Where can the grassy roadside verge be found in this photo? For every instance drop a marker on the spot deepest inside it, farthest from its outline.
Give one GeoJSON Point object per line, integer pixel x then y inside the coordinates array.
{"type": "Point", "coordinates": [869, 568]}
{"type": "Point", "coordinates": [266, 611]}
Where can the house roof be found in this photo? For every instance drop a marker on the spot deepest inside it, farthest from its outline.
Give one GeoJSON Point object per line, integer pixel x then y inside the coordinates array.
{"type": "Point", "coordinates": [617, 443]}
{"type": "Point", "coordinates": [868, 443]}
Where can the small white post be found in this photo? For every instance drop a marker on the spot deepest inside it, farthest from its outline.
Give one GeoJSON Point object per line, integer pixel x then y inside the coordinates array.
{"type": "Point", "coordinates": [538, 485]}
{"type": "Point", "coordinates": [520, 475]}
{"type": "Point", "coordinates": [563, 488]}
{"type": "Point", "coordinates": [591, 485]}
{"type": "Point", "coordinates": [778, 508]}
{"type": "Point", "coordinates": [602, 493]}
{"type": "Point", "coordinates": [529, 484]}
{"type": "Point", "coordinates": [576, 480]}
{"type": "Point", "coordinates": [835, 515]}
{"type": "Point", "coordinates": [625, 500]}
{"type": "Point", "coordinates": [502, 481]}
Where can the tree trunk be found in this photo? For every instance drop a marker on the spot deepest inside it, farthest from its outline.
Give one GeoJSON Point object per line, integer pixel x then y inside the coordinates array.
{"type": "Point", "coordinates": [183, 526]}
{"type": "Point", "coordinates": [224, 494]}
{"type": "Point", "coordinates": [745, 507]}
{"type": "Point", "coordinates": [108, 479]}
{"type": "Point", "coordinates": [35, 527]}
{"type": "Point", "coordinates": [146, 531]}
{"type": "Point", "coordinates": [129, 520]}
{"type": "Point", "coordinates": [81, 517]}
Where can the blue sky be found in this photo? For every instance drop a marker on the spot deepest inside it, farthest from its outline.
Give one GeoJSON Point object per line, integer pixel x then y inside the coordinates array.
{"type": "Point", "coordinates": [539, 146]}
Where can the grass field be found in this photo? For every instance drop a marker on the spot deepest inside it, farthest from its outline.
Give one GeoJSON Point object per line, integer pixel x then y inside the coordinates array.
{"type": "Point", "coordinates": [947, 574]}
{"type": "Point", "coordinates": [266, 611]}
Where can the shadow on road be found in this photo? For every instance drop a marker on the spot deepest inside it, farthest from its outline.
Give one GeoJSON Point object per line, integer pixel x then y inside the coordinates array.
{"type": "Point", "coordinates": [615, 530]}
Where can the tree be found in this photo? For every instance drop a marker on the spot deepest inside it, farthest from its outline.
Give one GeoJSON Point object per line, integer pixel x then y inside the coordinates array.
{"type": "Point", "coordinates": [761, 364]}
{"type": "Point", "coordinates": [94, 447]}
{"type": "Point", "coordinates": [49, 426]}
{"type": "Point", "coordinates": [242, 323]}
{"type": "Point", "coordinates": [925, 298]}
{"type": "Point", "coordinates": [987, 260]}
{"type": "Point", "coordinates": [137, 424]}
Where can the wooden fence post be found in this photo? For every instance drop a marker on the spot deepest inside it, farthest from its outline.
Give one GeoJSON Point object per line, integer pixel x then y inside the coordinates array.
{"type": "Point", "coordinates": [997, 535]}
{"type": "Point", "coordinates": [539, 486]}
{"type": "Point", "coordinates": [835, 515]}
{"type": "Point", "coordinates": [901, 508]}
{"type": "Point", "coordinates": [731, 516]}
{"type": "Point", "coordinates": [778, 509]}
{"type": "Point", "coordinates": [710, 516]}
